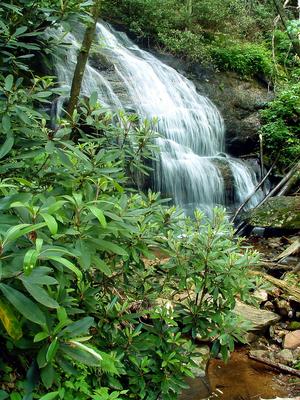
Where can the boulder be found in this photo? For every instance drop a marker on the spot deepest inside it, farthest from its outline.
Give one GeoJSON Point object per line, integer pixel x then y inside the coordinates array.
{"type": "Point", "coordinates": [259, 319]}
{"type": "Point", "coordinates": [285, 356]}
{"type": "Point", "coordinates": [292, 340]}
{"type": "Point", "coordinates": [282, 212]}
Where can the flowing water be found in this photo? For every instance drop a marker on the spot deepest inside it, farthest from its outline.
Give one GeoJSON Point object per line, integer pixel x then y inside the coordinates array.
{"type": "Point", "coordinates": [192, 166]}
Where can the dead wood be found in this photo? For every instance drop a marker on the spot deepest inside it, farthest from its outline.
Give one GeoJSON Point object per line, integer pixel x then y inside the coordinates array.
{"type": "Point", "coordinates": [292, 291]}
{"type": "Point", "coordinates": [276, 365]}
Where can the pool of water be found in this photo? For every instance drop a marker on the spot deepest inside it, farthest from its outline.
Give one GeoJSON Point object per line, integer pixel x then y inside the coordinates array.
{"type": "Point", "coordinates": [240, 379]}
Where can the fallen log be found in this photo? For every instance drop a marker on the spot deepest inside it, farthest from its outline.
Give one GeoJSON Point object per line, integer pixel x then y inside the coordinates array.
{"type": "Point", "coordinates": [290, 184]}
{"type": "Point", "coordinates": [281, 367]}
{"type": "Point", "coordinates": [292, 291]}
{"type": "Point", "coordinates": [292, 249]}
{"type": "Point", "coordinates": [281, 184]}
{"type": "Point", "coordinates": [271, 265]}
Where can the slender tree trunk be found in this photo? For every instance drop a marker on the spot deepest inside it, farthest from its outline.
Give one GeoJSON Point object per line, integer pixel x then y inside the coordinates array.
{"type": "Point", "coordinates": [284, 19]}
{"type": "Point", "coordinates": [82, 59]}
{"type": "Point", "coordinates": [189, 8]}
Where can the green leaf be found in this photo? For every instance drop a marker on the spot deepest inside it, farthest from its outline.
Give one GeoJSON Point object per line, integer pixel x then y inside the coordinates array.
{"type": "Point", "coordinates": [93, 99]}
{"type": "Point", "coordinates": [50, 396]}
{"type": "Point", "coordinates": [108, 246]}
{"type": "Point", "coordinates": [40, 295]}
{"type": "Point", "coordinates": [80, 355]}
{"type": "Point", "coordinates": [52, 349]}
{"type": "Point", "coordinates": [54, 207]}
{"type": "Point", "coordinates": [102, 266]}
{"type": "Point", "coordinates": [39, 276]}
{"type": "Point", "coordinates": [8, 83]}
{"type": "Point", "coordinates": [78, 328]}
{"type": "Point", "coordinates": [3, 395]}
{"type": "Point", "coordinates": [98, 214]}
{"type": "Point", "coordinates": [6, 124]}
{"type": "Point", "coordinates": [51, 223]}
{"type": "Point", "coordinates": [9, 321]}
{"type": "Point", "coordinates": [65, 160]}
{"type": "Point", "coordinates": [30, 260]}
{"type": "Point", "coordinates": [23, 304]}
{"type": "Point", "coordinates": [40, 336]}
{"type": "Point", "coordinates": [20, 30]}
{"type": "Point", "coordinates": [47, 376]}
{"type": "Point", "coordinates": [20, 230]}
{"type": "Point", "coordinates": [7, 146]}
{"type": "Point", "coordinates": [67, 264]}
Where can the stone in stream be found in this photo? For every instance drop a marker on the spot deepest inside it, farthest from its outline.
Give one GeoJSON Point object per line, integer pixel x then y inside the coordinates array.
{"type": "Point", "coordinates": [292, 340]}
{"type": "Point", "coordinates": [260, 319]}
{"type": "Point", "coordinates": [286, 356]}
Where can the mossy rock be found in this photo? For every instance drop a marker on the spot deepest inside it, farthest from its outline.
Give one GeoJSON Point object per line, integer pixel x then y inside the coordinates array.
{"type": "Point", "coordinates": [281, 212]}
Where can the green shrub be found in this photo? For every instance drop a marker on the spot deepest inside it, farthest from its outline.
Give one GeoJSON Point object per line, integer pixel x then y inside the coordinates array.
{"type": "Point", "coordinates": [246, 59]}
{"type": "Point", "coordinates": [281, 125]}
{"type": "Point", "coordinates": [146, 18]}
{"type": "Point", "coordinates": [186, 44]}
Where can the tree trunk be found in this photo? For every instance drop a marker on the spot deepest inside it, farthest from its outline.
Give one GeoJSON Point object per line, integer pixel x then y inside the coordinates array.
{"type": "Point", "coordinates": [82, 59]}
{"type": "Point", "coordinates": [284, 19]}
{"type": "Point", "coordinates": [189, 9]}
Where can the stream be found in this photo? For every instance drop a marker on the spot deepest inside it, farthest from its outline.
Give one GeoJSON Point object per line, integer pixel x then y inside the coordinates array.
{"type": "Point", "coordinates": [240, 379]}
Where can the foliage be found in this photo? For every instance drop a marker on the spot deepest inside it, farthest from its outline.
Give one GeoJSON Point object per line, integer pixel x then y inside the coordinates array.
{"type": "Point", "coordinates": [73, 249]}
{"type": "Point", "coordinates": [146, 18]}
{"type": "Point", "coordinates": [198, 36]}
{"type": "Point", "coordinates": [208, 262]}
{"type": "Point", "coordinates": [22, 25]}
{"type": "Point", "coordinates": [281, 125]}
{"type": "Point", "coordinates": [86, 307]}
{"type": "Point", "coordinates": [186, 42]}
{"type": "Point", "coordinates": [246, 59]}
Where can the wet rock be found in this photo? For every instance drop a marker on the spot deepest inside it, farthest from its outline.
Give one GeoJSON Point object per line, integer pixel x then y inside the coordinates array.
{"type": "Point", "coordinates": [200, 360]}
{"type": "Point", "coordinates": [269, 306]}
{"type": "Point", "coordinates": [261, 295]}
{"type": "Point", "coordinates": [250, 337]}
{"type": "Point", "coordinates": [292, 340]}
{"type": "Point", "coordinates": [283, 308]}
{"type": "Point", "coordinates": [282, 212]}
{"type": "Point", "coordinates": [260, 319]}
{"type": "Point", "coordinates": [260, 353]}
{"type": "Point", "coordinates": [285, 356]}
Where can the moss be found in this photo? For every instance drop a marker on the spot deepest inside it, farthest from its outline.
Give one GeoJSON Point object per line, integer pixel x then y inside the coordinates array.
{"type": "Point", "coordinates": [278, 212]}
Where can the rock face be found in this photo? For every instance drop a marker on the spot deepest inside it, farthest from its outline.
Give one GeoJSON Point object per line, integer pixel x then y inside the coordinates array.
{"type": "Point", "coordinates": [292, 340]}
{"type": "Point", "coordinates": [282, 212]}
{"type": "Point", "coordinates": [260, 319]}
{"type": "Point", "coordinates": [239, 102]}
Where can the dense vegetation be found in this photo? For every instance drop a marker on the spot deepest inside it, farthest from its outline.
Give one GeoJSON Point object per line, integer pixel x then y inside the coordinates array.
{"type": "Point", "coordinates": [87, 310]}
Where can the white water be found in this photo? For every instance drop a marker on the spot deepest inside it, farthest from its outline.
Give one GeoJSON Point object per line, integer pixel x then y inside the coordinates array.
{"type": "Point", "coordinates": [191, 126]}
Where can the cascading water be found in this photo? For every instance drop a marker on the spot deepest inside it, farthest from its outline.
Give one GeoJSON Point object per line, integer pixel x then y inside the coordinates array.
{"type": "Point", "coordinates": [192, 160]}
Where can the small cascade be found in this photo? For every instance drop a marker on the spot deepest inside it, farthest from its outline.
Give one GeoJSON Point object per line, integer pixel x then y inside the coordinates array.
{"type": "Point", "coordinates": [192, 160]}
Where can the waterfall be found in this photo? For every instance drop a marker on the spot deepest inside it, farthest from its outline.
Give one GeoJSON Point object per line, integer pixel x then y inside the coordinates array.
{"type": "Point", "coordinates": [192, 158]}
